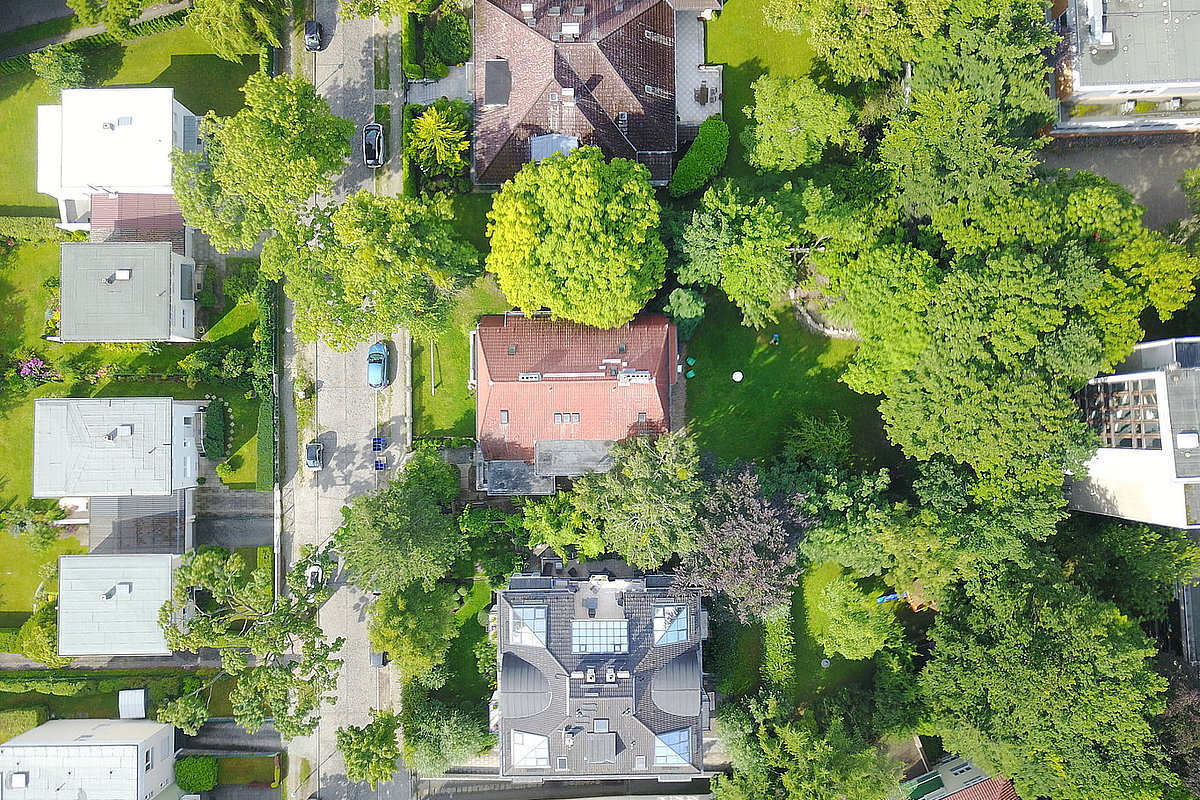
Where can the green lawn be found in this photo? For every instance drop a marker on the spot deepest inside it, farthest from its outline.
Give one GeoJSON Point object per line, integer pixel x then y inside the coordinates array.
{"type": "Point", "coordinates": [808, 619]}
{"type": "Point", "coordinates": [470, 217]}
{"type": "Point", "coordinates": [748, 420]}
{"type": "Point", "coordinates": [90, 706]}
{"type": "Point", "coordinates": [741, 40]}
{"type": "Point", "coordinates": [466, 686]}
{"type": "Point", "coordinates": [20, 95]}
{"type": "Point", "coordinates": [242, 770]}
{"type": "Point", "coordinates": [448, 409]}
{"type": "Point", "coordinates": [22, 571]}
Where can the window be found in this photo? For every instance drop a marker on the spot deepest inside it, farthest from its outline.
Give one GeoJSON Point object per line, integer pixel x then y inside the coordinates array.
{"type": "Point", "coordinates": [183, 318]}
{"type": "Point", "coordinates": [642, 416]}
{"type": "Point", "coordinates": [670, 624]}
{"type": "Point", "coordinates": [187, 282]}
{"type": "Point", "coordinates": [1124, 413]}
{"type": "Point", "coordinates": [622, 348]}
{"type": "Point", "coordinates": [512, 349]}
{"type": "Point", "coordinates": [600, 725]}
{"type": "Point", "coordinates": [575, 417]}
{"type": "Point", "coordinates": [558, 418]}
{"type": "Point", "coordinates": [961, 770]}
{"type": "Point", "coordinates": [530, 749]}
{"type": "Point", "coordinates": [149, 758]}
{"type": "Point", "coordinates": [561, 764]}
{"type": "Point", "coordinates": [599, 636]}
{"type": "Point", "coordinates": [504, 416]}
{"type": "Point", "coordinates": [187, 422]}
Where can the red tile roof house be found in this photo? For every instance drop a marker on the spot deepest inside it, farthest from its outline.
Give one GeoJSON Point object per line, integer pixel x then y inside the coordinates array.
{"type": "Point", "coordinates": [551, 75]}
{"type": "Point", "coordinates": [553, 396]}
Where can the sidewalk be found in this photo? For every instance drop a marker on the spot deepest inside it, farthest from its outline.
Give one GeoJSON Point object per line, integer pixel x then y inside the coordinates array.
{"type": "Point", "coordinates": [154, 11]}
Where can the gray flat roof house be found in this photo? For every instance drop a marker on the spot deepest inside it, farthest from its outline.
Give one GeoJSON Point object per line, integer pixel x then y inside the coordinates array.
{"type": "Point", "coordinates": [600, 678]}
{"type": "Point", "coordinates": [99, 759]}
{"type": "Point", "coordinates": [127, 292]}
{"type": "Point", "coordinates": [89, 447]}
{"type": "Point", "coordinates": [108, 605]}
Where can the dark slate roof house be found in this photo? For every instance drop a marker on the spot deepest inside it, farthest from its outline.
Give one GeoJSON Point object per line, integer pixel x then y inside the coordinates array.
{"type": "Point", "coordinates": [552, 75]}
{"type": "Point", "coordinates": [601, 679]}
{"type": "Point", "coordinates": [552, 396]}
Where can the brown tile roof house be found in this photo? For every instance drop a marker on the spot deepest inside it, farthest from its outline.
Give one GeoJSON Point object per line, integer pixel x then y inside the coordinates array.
{"type": "Point", "coordinates": [552, 396]}
{"type": "Point", "coordinates": [129, 217]}
{"type": "Point", "coordinates": [554, 74]}
{"type": "Point", "coordinates": [600, 678]}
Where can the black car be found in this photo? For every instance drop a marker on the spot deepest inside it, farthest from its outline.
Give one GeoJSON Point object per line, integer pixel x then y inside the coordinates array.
{"type": "Point", "coordinates": [373, 145]}
{"type": "Point", "coordinates": [313, 36]}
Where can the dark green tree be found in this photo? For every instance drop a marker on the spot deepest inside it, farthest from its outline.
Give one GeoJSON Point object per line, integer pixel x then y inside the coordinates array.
{"type": "Point", "coordinates": [59, 66]}
{"type": "Point", "coordinates": [116, 16]}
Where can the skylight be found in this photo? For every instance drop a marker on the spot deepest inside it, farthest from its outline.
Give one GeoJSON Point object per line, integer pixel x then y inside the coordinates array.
{"type": "Point", "coordinates": [528, 626]}
{"type": "Point", "coordinates": [673, 748]}
{"type": "Point", "coordinates": [599, 636]}
{"type": "Point", "coordinates": [670, 624]}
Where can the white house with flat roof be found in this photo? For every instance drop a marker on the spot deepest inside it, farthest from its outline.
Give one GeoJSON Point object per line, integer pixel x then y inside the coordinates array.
{"type": "Point", "coordinates": [109, 142]}
{"type": "Point", "coordinates": [97, 759]}
{"type": "Point", "coordinates": [112, 446]}
{"type": "Point", "coordinates": [108, 605]}
{"type": "Point", "coordinates": [127, 292]}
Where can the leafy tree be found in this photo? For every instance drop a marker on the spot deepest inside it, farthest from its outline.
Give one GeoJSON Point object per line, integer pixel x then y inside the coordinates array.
{"type": "Point", "coordinates": [646, 504]}
{"type": "Point", "coordinates": [196, 773]}
{"type": "Point", "coordinates": [1189, 182]}
{"type": "Point", "coordinates": [234, 28]}
{"type": "Point", "coordinates": [856, 626]}
{"type": "Point", "coordinates": [1179, 729]}
{"type": "Point", "coordinates": [382, 263]}
{"type": "Point", "coordinates": [438, 139]}
{"type": "Point", "coordinates": [746, 546]}
{"type": "Point", "coordinates": [115, 15]}
{"type": "Point", "coordinates": [37, 638]}
{"type": "Point", "coordinates": [415, 625]}
{"type": "Point", "coordinates": [436, 736]}
{"type": "Point", "coordinates": [686, 308]}
{"type": "Point", "coordinates": [1079, 697]}
{"type": "Point", "coordinates": [290, 693]}
{"type": "Point", "coordinates": [578, 235]}
{"type": "Point", "coordinates": [821, 438]}
{"type": "Point", "coordinates": [559, 524]}
{"type": "Point", "coordinates": [449, 40]}
{"type": "Point", "coordinates": [372, 750]}
{"type": "Point", "coordinates": [386, 10]}
{"type": "Point", "coordinates": [897, 711]}
{"type": "Point", "coordinates": [59, 66]}
{"type": "Point", "coordinates": [261, 166]}
{"type": "Point", "coordinates": [793, 121]}
{"type": "Point", "coordinates": [743, 244]}
{"type": "Point", "coordinates": [778, 753]}
{"type": "Point", "coordinates": [33, 523]}
{"type": "Point", "coordinates": [187, 713]}
{"type": "Point", "coordinates": [492, 536]}
{"type": "Point", "coordinates": [401, 535]}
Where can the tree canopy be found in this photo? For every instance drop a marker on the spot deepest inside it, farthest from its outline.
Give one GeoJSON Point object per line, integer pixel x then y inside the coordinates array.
{"type": "Point", "coordinates": [793, 121]}
{"type": "Point", "coordinates": [116, 16]}
{"type": "Point", "coordinates": [234, 28]}
{"type": "Point", "coordinates": [579, 236]}
{"type": "Point", "coordinates": [372, 750]}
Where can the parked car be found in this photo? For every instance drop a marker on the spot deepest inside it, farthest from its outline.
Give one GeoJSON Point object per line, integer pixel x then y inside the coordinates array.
{"type": "Point", "coordinates": [377, 366]}
{"type": "Point", "coordinates": [314, 455]}
{"type": "Point", "coordinates": [314, 576]}
{"type": "Point", "coordinates": [314, 37]}
{"type": "Point", "coordinates": [373, 145]}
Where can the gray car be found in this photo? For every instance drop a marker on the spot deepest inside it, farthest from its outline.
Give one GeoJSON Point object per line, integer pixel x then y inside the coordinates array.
{"type": "Point", "coordinates": [314, 455]}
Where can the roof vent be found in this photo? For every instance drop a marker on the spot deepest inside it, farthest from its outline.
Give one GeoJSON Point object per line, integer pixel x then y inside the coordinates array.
{"type": "Point", "coordinates": [578, 11]}
{"type": "Point", "coordinates": [529, 376]}
{"type": "Point", "coordinates": [124, 430]}
{"type": "Point", "coordinates": [123, 274]}
{"type": "Point", "coordinates": [18, 780]}
{"type": "Point", "coordinates": [554, 11]}
{"type": "Point", "coordinates": [108, 126]}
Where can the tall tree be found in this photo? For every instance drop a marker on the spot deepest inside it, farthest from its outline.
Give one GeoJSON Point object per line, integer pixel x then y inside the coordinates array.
{"type": "Point", "coordinates": [436, 736]}
{"type": "Point", "coordinates": [742, 244]}
{"type": "Point", "coordinates": [380, 264]}
{"type": "Point", "coordinates": [416, 625]}
{"type": "Point", "coordinates": [372, 750]}
{"type": "Point", "coordinates": [646, 504]}
{"type": "Point", "coordinates": [234, 28]}
{"type": "Point", "coordinates": [116, 16]}
{"type": "Point", "coordinates": [857, 627]}
{"type": "Point", "coordinates": [438, 138]}
{"type": "Point", "coordinates": [261, 166]}
{"type": "Point", "coordinates": [578, 235]}
{"type": "Point", "coordinates": [793, 121]}
{"type": "Point", "coordinates": [746, 546]}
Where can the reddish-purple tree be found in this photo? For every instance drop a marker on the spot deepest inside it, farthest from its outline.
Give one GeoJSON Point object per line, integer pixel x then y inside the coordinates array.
{"type": "Point", "coordinates": [1179, 728]}
{"type": "Point", "coordinates": [746, 548]}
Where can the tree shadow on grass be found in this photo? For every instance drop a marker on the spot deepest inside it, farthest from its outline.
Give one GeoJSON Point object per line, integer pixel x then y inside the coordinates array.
{"type": "Point", "coordinates": [104, 64]}
{"type": "Point", "coordinates": [206, 83]}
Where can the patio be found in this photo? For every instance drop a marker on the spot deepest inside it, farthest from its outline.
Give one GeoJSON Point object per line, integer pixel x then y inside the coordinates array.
{"type": "Point", "coordinates": [698, 86]}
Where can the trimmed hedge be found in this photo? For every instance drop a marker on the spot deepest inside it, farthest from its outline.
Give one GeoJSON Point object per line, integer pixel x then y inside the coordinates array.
{"type": "Point", "coordinates": [265, 479]}
{"type": "Point", "coordinates": [196, 773]}
{"type": "Point", "coordinates": [32, 229]}
{"type": "Point", "coordinates": [262, 368]}
{"type": "Point", "coordinates": [15, 721]}
{"type": "Point", "coordinates": [216, 426]}
{"type": "Point", "coordinates": [449, 39]}
{"type": "Point", "coordinates": [8, 640]}
{"type": "Point", "coordinates": [704, 158]}
{"type": "Point", "coordinates": [410, 42]}
{"type": "Point", "coordinates": [408, 187]}
{"type": "Point", "coordinates": [102, 40]}
{"type": "Point", "coordinates": [779, 650]}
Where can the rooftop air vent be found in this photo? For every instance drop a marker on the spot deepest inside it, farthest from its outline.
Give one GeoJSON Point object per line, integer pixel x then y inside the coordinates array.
{"type": "Point", "coordinates": [123, 274]}
{"type": "Point", "coordinates": [18, 780]}
{"type": "Point", "coordinates": [568, 93]}
{"type": "Point", "coordinates": [108, 126]}
{"type": "Point", "coordinates": [529, 376]}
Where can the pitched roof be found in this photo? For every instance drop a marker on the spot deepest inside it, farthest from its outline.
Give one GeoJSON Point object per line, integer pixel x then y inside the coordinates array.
{"type": "Point", "coordinates": [543, 380]}
{"type": "Point", "coordinates": [990, 789]}
{"type": "Point", "coordinates": [129, 217]}
{"type": "Point", "coordinates": [617, 57]}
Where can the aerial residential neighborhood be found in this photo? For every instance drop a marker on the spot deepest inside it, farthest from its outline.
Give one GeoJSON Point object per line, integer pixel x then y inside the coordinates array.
{"type": "Point", "coordinates": [732, 399]}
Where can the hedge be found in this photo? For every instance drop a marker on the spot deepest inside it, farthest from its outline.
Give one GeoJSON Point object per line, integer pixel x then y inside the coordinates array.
{"type": "Point", "coordinates": [704, 158]}
{"type": "Point", "coordinates": [408, 188]}
{"type": "Point", "coordinates": [216, 426]}
{"type": "Point", "coordinates": [8, 640]}
{"type": "Point", "coordinates": [265, 556]}
{"type": "Point", "coordinates": [32, 229]}
{"type": "Point", "coordinates": [102, 40]}
{"type": "Point", "coordinates": [196, 773]}
{"type": "Point", "coordinates": [262, 367]}
{"type": "Point", "coordinates": [410, 41]}
{"type": "Point", "coordinates": [265, 479]}
{"type": "Point", "coordinates": [779, 650]}
{"type": "Point", "coordinates": [15, 721]}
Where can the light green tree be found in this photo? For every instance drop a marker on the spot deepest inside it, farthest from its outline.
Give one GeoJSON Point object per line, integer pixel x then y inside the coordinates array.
{"type": "Point", "coordinates": [115, 15]}
{"type": "Point", "coordinates": [234, 28]}
{"type": "Point", "coordinates": [439, 141]}
{"type": "Point", "coordinates": [386, 10]}
{"type": "Point", "coordinates": [793, 121]}
{"type": "Point", "coordinates": [856, 627]}
{"type": "Point", "coordinates": [372, 750]}
{"type": "Point", "coordinates": [59, 66]}
{"type": "Point", "coordinates": [578, 235]}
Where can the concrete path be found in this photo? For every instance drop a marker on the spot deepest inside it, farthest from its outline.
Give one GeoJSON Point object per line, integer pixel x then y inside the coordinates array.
{"type": "Point", "coordinates": [157, 10]}
{"type": "Point", "coordinates": [454, 85]}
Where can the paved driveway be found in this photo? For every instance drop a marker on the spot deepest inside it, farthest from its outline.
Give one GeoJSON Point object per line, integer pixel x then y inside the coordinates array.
{"type": "Point", "coordinates": [16, 14]}
{"type": "Point", "coordinates": [226, 737]}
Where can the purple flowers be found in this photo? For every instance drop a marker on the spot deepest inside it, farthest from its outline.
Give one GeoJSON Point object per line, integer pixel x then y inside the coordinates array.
{"type": "Point", "coordinates": [37, 370]}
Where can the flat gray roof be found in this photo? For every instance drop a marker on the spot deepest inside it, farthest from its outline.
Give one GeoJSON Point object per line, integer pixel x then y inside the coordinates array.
{"type": "Point", "coordinates": [91, 446]}
{"type": "Point", "coordinates": [117, 292]}
{"type": "Point", "coordinates": [1153, 42]}
{"type": "Point", "coordinates": [108, 605]}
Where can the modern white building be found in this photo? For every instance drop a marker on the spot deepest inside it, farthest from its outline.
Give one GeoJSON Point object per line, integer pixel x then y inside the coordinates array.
{"type": "Point", "coordinates": [127, 292]}
{"type": "Point", "coordinates": [109, 142]}
{"type": "Point", "coordinates": [1128, 66]}
{"type": "Point", "coordinates": [1147, 415]}
{"type": "Point", "coordinates": [108, 604]}
{"type": "Point", "coordinates": [96, 759]}
{"type": "Point", "coordinates": [113, 446]}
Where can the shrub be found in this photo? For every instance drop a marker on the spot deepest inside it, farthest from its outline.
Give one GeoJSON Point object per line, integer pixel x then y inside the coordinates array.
{"type": "Point", "coordinates": [265, 478]}
{"type": "Point", "coordinates": [38, 637]}
{"type": "Point", "coordinates": [704, 158]}
{"type": "Point", "coordinates": [779, 649]}
{"type": "Point", "coordinates": [31, 229]}
{"type": "Point", "coordinates": [60, 67]}
{"type": "Point", "coordinates": [206, 297]}
{"type": "Point", "coordinates": [15, 721]}
{"type": "Point", "coordinates": [264, 557]}
{"type": "Point", "coordinates": [686, 307]}
{"type": "Point", "coordinates": [216, 426]}
{"type": "Point", "coordinates": [241, 279]}
{"type": "Point", "coordinates": [8, 640]}
{"type": "Point", "coordinates": [225, 471]}
{"type": "Point", "coordinates": [449, 40]}
{"type": "Point", "coordinates": [196, 773]}
{"type": "Point", "coordinates": [821, 438]}
{"type": "Point", "coordinates": [409, 42]}
{"type": "Point", "coordinates": [437, 736]}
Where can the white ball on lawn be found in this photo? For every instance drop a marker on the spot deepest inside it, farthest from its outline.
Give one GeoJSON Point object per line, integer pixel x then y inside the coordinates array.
{"type": "Point", "coordinates": [737, 377]}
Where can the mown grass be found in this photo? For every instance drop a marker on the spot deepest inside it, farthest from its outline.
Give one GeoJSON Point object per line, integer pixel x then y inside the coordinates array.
{"type": "Point", "coordinates": [23, 569]}
{"type": "Point", "coordinates": [242, 770]}
{"type": "Point", "coordinates": [466, 686]}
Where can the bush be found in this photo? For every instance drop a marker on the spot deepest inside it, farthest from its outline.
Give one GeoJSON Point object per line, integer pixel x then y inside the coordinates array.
{"type": "Point", "coordinates": [437, 736]}
{"type": "Point", "coordinates": [821, 438]}
{"type": "Point", "coordinates": [409, 43]}
{"type": "Point", "coordinates": [241, 279]}
{"type": "Point", "coordinates": [779, 650]}
{"type": "Point", "coordinates": [38, 637]}
{"type": "Point", "coordinates": [60, 67]}
{"type": "Point", "coordinates": [8, 640]}
{"type": "Point", "coordinates": [196, 773]}
{"type": "Point", "coordinates": [32, 229]}
{"type": "Point", "coordinates": [15, 721]}
{"type": "Point", "coordinates": [686, 307]}
{"type": "Point", "coordinates": [704, 158]}
{"type": "Point", "coordinates": [264, 558]}
{"type": "Point", "coordinates": [216, 427]}
{"type": "Point", "coordinates": [206, 297]}
{"type": "Point", "coordinates": [265, 477]}
{"type": "Point", "coordinates": [449, 41]}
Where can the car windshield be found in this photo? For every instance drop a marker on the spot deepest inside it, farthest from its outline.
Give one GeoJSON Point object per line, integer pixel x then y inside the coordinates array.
{"type": "Point", "coordinates": [312, 452]}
